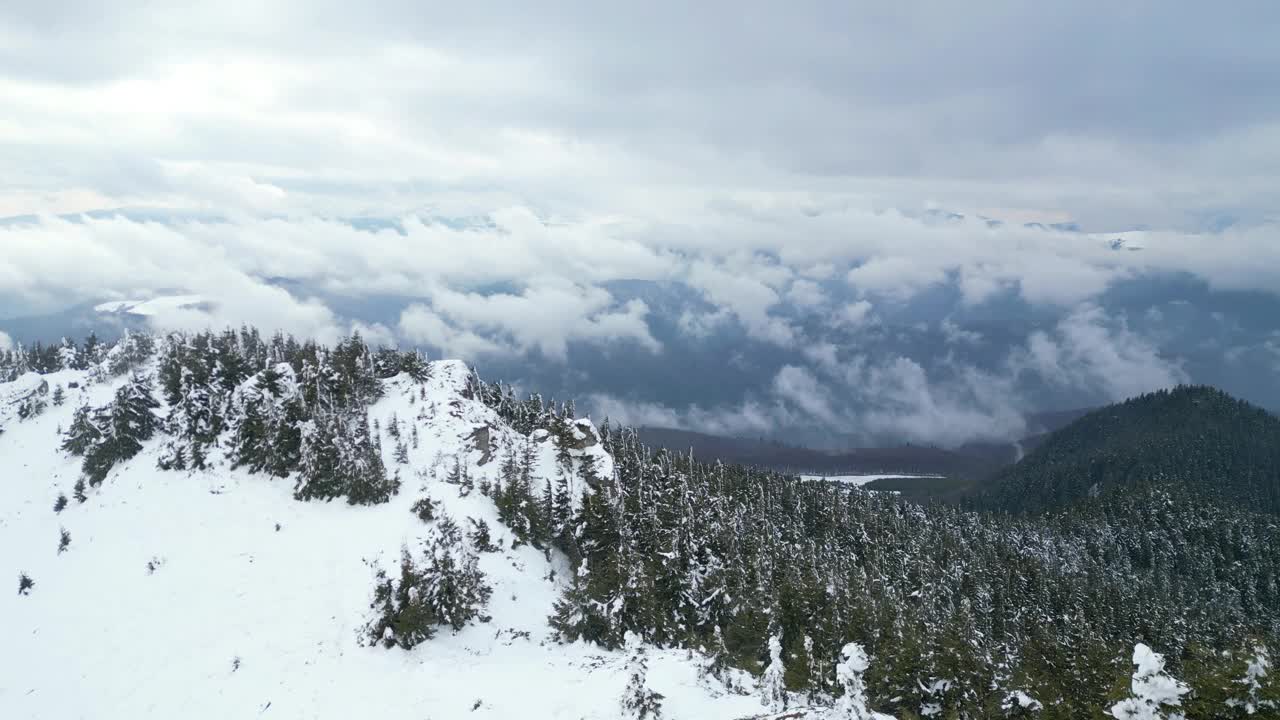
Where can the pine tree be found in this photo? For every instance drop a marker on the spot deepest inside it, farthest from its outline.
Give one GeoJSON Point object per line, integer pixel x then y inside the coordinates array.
{"type": "Point", "coordinates": [83, 433]}
{"type": "Point", "coordinates": [639, 702]}
{"type": "Point", "coordinates": [479, 536]}
{"type": "Point", "coordinates": [366, 477]}
{"type": "Point", "coordinates": [402, 618]}
{"type": "Point", "coordinates": [59, 396]}
{"type": "Point", "coordinates": [852, 704]}
{"type": "Point", "coordinates": [251, 442]}
{"type": "Point", "coordinates": [125, 424]}
{"type": "Point", "coordinates": [321, 474]}
{"type": "Point", "coordinates": [60, 503]}
{"type": "Point", "coordinates": [445, 587]}
{"type": "Point", "coordinates": [773, 689]}
{"type": "Point", "coordinates": [285, 443]}
{"type": "Point", "coordinates": [425, 509]}
{"type": "Point", "coordinates": [64, 541]}
{"type": "Point", "coordinates": [270, 381]}
{"type": "Point", "coordinates": [78, 492]}
{"type": "Point", "coordinates": [1259, 693]}
{"type": "Point", "coordinates": [25, 583]}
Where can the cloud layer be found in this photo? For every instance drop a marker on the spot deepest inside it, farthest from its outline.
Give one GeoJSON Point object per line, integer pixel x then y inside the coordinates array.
{"type": "Point", "coordinates": [830, 201]}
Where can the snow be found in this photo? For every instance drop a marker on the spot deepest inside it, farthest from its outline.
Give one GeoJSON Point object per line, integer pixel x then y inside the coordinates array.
{"type": "Point", "coordinates": [147, 308]}
{"type": "Point", "coordinates": [1152, 690]}
{"type": "Point", "coordinates": [215, 594]}
{"type": "Point", "coordinates": [860, 480]}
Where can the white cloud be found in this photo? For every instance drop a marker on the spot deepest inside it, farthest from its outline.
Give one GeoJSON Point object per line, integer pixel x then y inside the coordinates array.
{"type": "Point", "coordinates": [420, 325]}
{"type": "Point", "coordinates": [745, 289]}
{"type": "Point", "coordinates": [547, 316]}
{"type": "Point", "coordinates": [806, 294]}
{"type": "Point", "coordinates": [1090, 351]}
{"type": "Point", "coordinates": [897, 277]}
{"type": "Point", "coordinates": [748, 418]}
{"type": "Point", "coordinates": [855, 314]}
{"type": "Point", "coordinates": [798, 386]}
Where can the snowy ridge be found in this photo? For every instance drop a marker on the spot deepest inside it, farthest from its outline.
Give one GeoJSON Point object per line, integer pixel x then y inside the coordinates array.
{"type": "Point", "coordinates": [154, 306]}
{"type": "Point", "coordinates": [216, 594]}
{"type": "Point", "coordinates": [860, 480]}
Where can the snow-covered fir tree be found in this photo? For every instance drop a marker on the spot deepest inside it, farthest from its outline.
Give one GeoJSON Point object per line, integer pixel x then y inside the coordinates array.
{"type": "Point", "coordinates": [773, 689]}
{"type": "Point", "coordinates": [639, 701]}
{"type": "Point", "coordinates": [1154, 694]}
{"type": "Point", "coordinates": [441, 585]}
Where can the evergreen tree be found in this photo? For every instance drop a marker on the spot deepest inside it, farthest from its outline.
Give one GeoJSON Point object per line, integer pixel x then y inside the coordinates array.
{"type": "Point", "coordinates": [852, 704]}
{"type": "Point", "coordinates": [60, 503]}
{"type": "Point", "coordinates": [639, 702]}
{"type": "Point", "coordinates": [444, 587]}
{"type": "Point", "coordinates": [64, 541]}
{"type": "Point", "coordinates": [425, 509]}
{"type": "Point", "coordinates": [479, 536]}
{"type": "Point", "coordinates": [251, 440]}
{"type": "Point", "coordinates": [25, 583]}
{"type": "Point", "coordinates": [83, 433]}
{"type": "Point", "coordinates": [124, 425]}
{"type": "Point", "coordinates": [773, 689]}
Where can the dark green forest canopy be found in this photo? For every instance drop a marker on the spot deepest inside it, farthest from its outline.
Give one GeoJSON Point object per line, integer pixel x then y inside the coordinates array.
{"type": "Point", "coordinates": [1192, 442]}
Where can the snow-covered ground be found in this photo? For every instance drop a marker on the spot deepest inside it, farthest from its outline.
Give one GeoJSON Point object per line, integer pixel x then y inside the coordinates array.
{"type": "Point", "coordinates": [860, 480]}
{"type": "Point", "coordinates": [217, 595]}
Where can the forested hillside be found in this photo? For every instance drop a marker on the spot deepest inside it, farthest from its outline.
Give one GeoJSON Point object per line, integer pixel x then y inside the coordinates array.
{"type": "Point", "coordinates": [822, 593]}
{"type": "Point", "coordinates": [1192, 442]}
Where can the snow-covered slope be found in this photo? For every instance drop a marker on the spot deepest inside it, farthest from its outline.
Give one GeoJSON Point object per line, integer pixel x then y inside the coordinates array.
{"type": "Point", "coordinates": [215, 594]}
{"type": "Point", "coordinates": [154, 306]}
{"type": "Point", "coordinates": [860, 480]}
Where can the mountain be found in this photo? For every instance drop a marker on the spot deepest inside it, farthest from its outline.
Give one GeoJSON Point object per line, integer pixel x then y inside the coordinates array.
{"type": "Point", "coordinates": [107, 320]}
{"type": "Point", "coordinates": [223, 525]}
{"type": "Point", "coordinates": [956, 470]}
{"type": "Point", "coordinates": [966, 461]}
{"type": "Point", "coordinates": [215, 593]}
{"type": "Point", "coordinates": [1191, 441]}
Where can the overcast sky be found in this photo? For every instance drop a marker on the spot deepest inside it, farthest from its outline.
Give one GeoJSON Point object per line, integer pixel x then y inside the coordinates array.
{"type": "Point", "coordinates": [770, 156]}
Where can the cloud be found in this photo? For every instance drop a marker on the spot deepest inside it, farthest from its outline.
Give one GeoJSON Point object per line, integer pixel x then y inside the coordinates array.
{"type": "Point", "coordinates": [6, 342]}
{"type": "Point", "coordinates": [746, 289]}
{"type": "Point", "coordinates": [855, 313]}
{"type": "Point", "coordinates": [1091, 351]}
{"type": "Point", "coordinates": [805, 294]}
{"type": "Point", "coordinates": [746, 418]}
{"type": "Point", "coordinates": [798, 386]}
{"type": "Point", "coordinates": [546, 317]}
{"type": "Point", "coordinates": [845, 395]}
{"type": "Point", "coordinates": [420, 324]}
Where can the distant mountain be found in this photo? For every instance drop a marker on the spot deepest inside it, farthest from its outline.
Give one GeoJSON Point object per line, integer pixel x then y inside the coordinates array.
{"type": "Point", "coordinates": [970, 461]}
{"type": "Point", "coordinates": [1191, 441]}
{"type": "Point", "coordinates": [108, 320]}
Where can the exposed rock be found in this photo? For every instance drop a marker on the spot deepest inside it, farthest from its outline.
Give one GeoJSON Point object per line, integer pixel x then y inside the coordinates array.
{"type": "Point", "coordinates": [584, 435]}
{"type": "Point", "coordinates": [480, 440]}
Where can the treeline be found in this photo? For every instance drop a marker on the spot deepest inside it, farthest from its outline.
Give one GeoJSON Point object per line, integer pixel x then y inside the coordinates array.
{"type": "Point", "coordinates": [964, 613]}
{"type": "Point", "coordinates": [277, 406]}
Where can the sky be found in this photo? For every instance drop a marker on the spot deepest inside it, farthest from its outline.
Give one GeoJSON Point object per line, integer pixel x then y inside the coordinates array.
{"type": "Point", "coordinates": [912, 222]}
